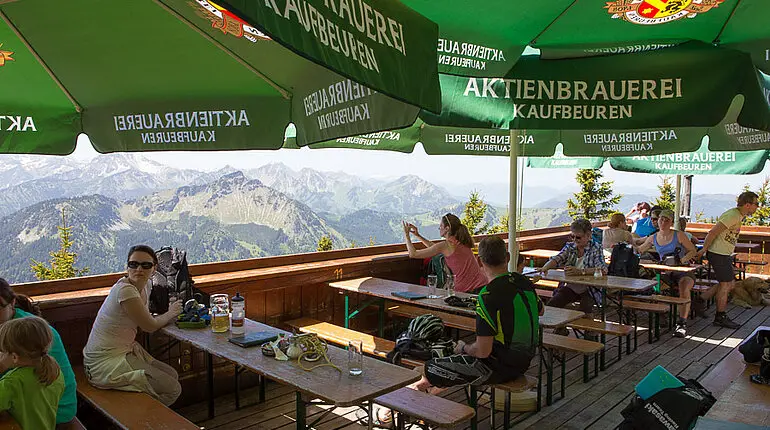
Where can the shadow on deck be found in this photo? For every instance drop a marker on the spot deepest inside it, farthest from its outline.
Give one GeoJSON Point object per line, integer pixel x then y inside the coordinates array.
{"type": "Point", "coordinates": [593, 405]}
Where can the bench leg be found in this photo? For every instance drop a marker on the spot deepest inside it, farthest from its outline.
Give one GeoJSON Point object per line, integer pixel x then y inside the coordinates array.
{"type": "Point", "coordinates": [507, 411]}
{"type": "Point", "coordinates": [649, 329]}
{"type": "Point", "coordinates": [549, 379]}
{"type": "Point", "coordinates": [563, 364]}
{"type": "Point", "coordinates": [596, 366]}
{"type": "Point", "coordinates": [620, 347]}
{"type": "Point", "coordinates": [473, 400]}
{"type": "Point", "coordinates": [301, 411]}
{"type": "Point", "coordinates": [601, 353]}
{"type": "Point", "coordinates": [210, 383]}
{"type": "Point", "coordinates": [492, 405]}
{"type": "Point", "coordinates": [585, 368]}
{"type": "Point", "coordinates": [657, 326]}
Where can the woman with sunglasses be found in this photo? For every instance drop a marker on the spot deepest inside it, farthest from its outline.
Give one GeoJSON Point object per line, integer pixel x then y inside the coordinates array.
{"type": "Point", "coordinates": [457, 250]}
{"type": "Point", "coordinates": [112, 358]}
{"type": "Point", "coordinates": [581, 256]}
{"type": "Point", "coordinates": [14, 306]}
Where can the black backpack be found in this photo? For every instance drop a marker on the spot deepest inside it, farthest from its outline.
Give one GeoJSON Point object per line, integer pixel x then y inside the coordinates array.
{"type": "Point", "coordinates": [171, 276]}
{"type": "Point", "coordinates": [422, 341]}
{"type": "Point", "coordinates": [623, 261]}
{"type": "Point", "coordinates": [671, 408]}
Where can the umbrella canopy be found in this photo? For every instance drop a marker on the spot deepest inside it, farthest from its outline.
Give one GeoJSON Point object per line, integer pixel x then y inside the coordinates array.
{"type": "Point", "coordinates": [146, 75]}
{"type": "Point", "coordinates": [485, 39]}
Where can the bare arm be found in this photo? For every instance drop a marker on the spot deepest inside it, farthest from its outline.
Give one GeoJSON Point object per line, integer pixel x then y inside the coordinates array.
{"type": "Point", "coordinates": [479, 349]}
{"type": "Point", "coordinates": [647, 244]}
{"type": "Point", "coordinates": [688, 246]}
{"type": "Point", "coordinates": [141, 316]}
{"type": "Point", "coordinates": [712, 235]}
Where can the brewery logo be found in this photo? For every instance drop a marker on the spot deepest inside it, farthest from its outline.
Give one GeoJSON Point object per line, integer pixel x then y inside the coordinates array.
{"type": "Point", "coordinates": [226, 21]}
{"type": "Point", "coordinates": [649, 12]}
{"type": "Point", "coordinates": [5, 56]}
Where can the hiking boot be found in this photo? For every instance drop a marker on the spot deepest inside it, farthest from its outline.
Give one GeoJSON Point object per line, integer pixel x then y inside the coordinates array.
{"type": "Point", "coordinates": [722, 320]}
{"type": "Point", "coordinates": [681, 329]}
{"type": "Point", "coordinates": [699, 306]}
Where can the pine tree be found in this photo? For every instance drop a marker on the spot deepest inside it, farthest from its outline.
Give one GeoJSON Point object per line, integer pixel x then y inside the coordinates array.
{"type": "Point", "coordinates": [502, 226]}
{"type": "Point", "coordinates": [667, 198]}
{"type": "Point", "coordinates": [62, 265]}
{"type": "Point", "coordinates": [473, 214]}
{"type": "Point", "coordinates": [596, 199]}
{"type": "Point", "coordinates": [372, 241]}
{"type": "Point", "coordinates": [762, 215]}
{"type": "Point", "coordinates": [324, 243]}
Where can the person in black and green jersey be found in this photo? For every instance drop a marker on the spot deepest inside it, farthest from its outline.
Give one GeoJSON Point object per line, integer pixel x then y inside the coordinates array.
{"type": "Point", "coordinates": [507, 327]}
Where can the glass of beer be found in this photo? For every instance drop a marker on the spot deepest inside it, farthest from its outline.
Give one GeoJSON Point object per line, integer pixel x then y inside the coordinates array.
{"type": "Point", "coordinates": [219, 308]}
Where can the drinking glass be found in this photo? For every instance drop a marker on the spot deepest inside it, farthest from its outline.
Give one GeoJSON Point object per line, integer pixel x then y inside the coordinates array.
{"type": "Point", "coordinates": [450, 285]}
{"type": "Point", "coordinates": [432, 283]}
{"type": "Point", "coordinates": [355, 357]}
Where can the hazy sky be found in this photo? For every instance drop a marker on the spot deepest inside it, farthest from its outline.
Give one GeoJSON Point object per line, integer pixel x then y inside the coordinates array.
{"type": "Point", "coordinates": [441, 169]}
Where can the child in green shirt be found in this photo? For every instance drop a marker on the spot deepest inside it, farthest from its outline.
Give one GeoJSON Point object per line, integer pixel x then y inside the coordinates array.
{"type": "Point", "coordinates": [31, 389]}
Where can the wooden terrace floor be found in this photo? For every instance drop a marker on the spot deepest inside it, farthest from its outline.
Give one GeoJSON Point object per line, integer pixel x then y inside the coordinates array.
{"type": "Point", "coordinates": [593, 405]}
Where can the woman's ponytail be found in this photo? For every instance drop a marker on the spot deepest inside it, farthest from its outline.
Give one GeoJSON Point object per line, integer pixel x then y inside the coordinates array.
{"type": "Point", "coordinates": [458, 230]}
{"type": "Point", "coordinates": [47, 370]}
{"type": "Point", "coordinates": [31, 339]}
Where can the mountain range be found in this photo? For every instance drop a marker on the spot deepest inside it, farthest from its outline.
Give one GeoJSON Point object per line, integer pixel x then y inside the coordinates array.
{"type": "Point", "coordinates": [117, 200]}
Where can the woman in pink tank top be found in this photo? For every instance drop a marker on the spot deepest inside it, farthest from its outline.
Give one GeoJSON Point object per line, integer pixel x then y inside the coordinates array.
{"type": "Point", "coordinates": [457, 250]}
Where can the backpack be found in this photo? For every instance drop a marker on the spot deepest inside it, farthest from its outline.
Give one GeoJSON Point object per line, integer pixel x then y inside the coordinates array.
{"type": "Point", "coordinates": [436, 265]}
{"type": "Point", "coordinates": [422, 340]}
{"type": "Point", "coordinates": [623, 261]}
{"type": "Point", "coordinates": [171, 276]}
{"type": "Point", "coordinates": [670, 408]}
{"type": "Point", "coordinates": [753, 347]}
{"type": "Point", "coordinates": [672, 258]}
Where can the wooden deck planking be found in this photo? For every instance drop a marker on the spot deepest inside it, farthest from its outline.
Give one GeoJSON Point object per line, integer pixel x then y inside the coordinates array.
{"type": "Point", "coordinates": [596, 404]}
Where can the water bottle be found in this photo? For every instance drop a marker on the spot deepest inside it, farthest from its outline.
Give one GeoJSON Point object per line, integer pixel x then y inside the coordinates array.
{"type": "Point", "coordinates": [238, 304]}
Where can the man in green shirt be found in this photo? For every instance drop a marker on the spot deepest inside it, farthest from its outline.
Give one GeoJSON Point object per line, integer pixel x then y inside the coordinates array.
{"type": "Point", "coordinates": [507, 328]}
{"type": "Point", "coordinates": [719, 247]}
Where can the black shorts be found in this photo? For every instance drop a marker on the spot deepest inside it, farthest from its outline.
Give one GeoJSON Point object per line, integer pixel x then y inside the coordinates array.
{"type": "Point", "coordinates": [722, 265]}
{"type": "Point", "coordinates": [464, 369]}
{"type": "Point", "coordinates": [673, 278]}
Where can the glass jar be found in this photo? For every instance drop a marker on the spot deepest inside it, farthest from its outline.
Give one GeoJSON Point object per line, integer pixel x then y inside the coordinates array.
{"type": "Point", "coordinates": [219, 307]}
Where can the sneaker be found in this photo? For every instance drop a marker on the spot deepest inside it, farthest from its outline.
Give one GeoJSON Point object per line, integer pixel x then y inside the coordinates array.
{"type": "Point", "coordinates": [723, 320]}
{"type": "Point", "coordinates": [681, 329]}
{"type": "Point", "coordinates": [381, 418]}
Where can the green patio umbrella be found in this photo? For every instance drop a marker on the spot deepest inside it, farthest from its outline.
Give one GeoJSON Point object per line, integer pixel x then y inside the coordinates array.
{"type": "Point", "coordinates": [147, 75]}
{"type": "Point", "coordinates": [486, 38]}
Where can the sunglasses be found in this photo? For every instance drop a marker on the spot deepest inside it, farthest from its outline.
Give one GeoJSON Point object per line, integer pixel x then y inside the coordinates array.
{"type": "Point", "coordinates": [146, 265]}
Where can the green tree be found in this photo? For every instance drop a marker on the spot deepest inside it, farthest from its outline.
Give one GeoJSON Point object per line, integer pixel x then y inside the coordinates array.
{"type": "Point", "coordinates": [700, 216]}
{"type": "Point", "coordinates": [372, 241]}
{"type": "Point", "coordinates": [596, 199]}
{"type": "Point", "coordinates": [762, 215]}
{"type": "Point", "coordinates": [324, 243]}
{"type": "Point", "coordinates": [62, 265]}
{"type": "Point", "coordinates": [473, 214]}
{"type": "Point", "coordinates": [667, 197]}
{"type": "Point", "coordinates": [502, 225]}
{"type": "Point", "coordinates": [353, 244]}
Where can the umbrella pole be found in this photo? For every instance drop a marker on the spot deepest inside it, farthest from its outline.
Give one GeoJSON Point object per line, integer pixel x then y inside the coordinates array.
{"type": "Point", "coordinates": [678, 201]}
{"type": "Point", "coordinates": [513, 248]}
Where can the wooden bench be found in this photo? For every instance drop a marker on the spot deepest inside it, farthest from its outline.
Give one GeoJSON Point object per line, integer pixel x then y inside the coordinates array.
{"type": "Point", "coordinates": [672, 302]}
{"type": "Point", "coordinates": [8, 423]}
{"type": "Point", "coordinates": [606, 328]}
{"type": "Point", "coordinates": [129, 410]}
{"type": "Point", "coordinates": [653, 311]}
{"type": "Point", "coordinates": [546, 284]}
{"type": "Point", "coordinates": [554, 342]}
{"type": "Point", "coordinates": [422, 406]}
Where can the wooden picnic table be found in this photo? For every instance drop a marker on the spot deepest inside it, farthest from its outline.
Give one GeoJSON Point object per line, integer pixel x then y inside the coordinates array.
{"type": "Point", "coordinates": [334, 387]}
{"type": "Point", "coordinates": [384, 289]}
{"type": "Point", "coordinates": [539, 253]}
{"type": "Point", "coordinates": [657, 267]}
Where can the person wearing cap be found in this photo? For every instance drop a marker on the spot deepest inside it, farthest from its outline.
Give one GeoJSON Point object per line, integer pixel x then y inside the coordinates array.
{"type": "Point", "coordinates": [719, 246]}
{"type": "Point", "coordinates": [668, 242]}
